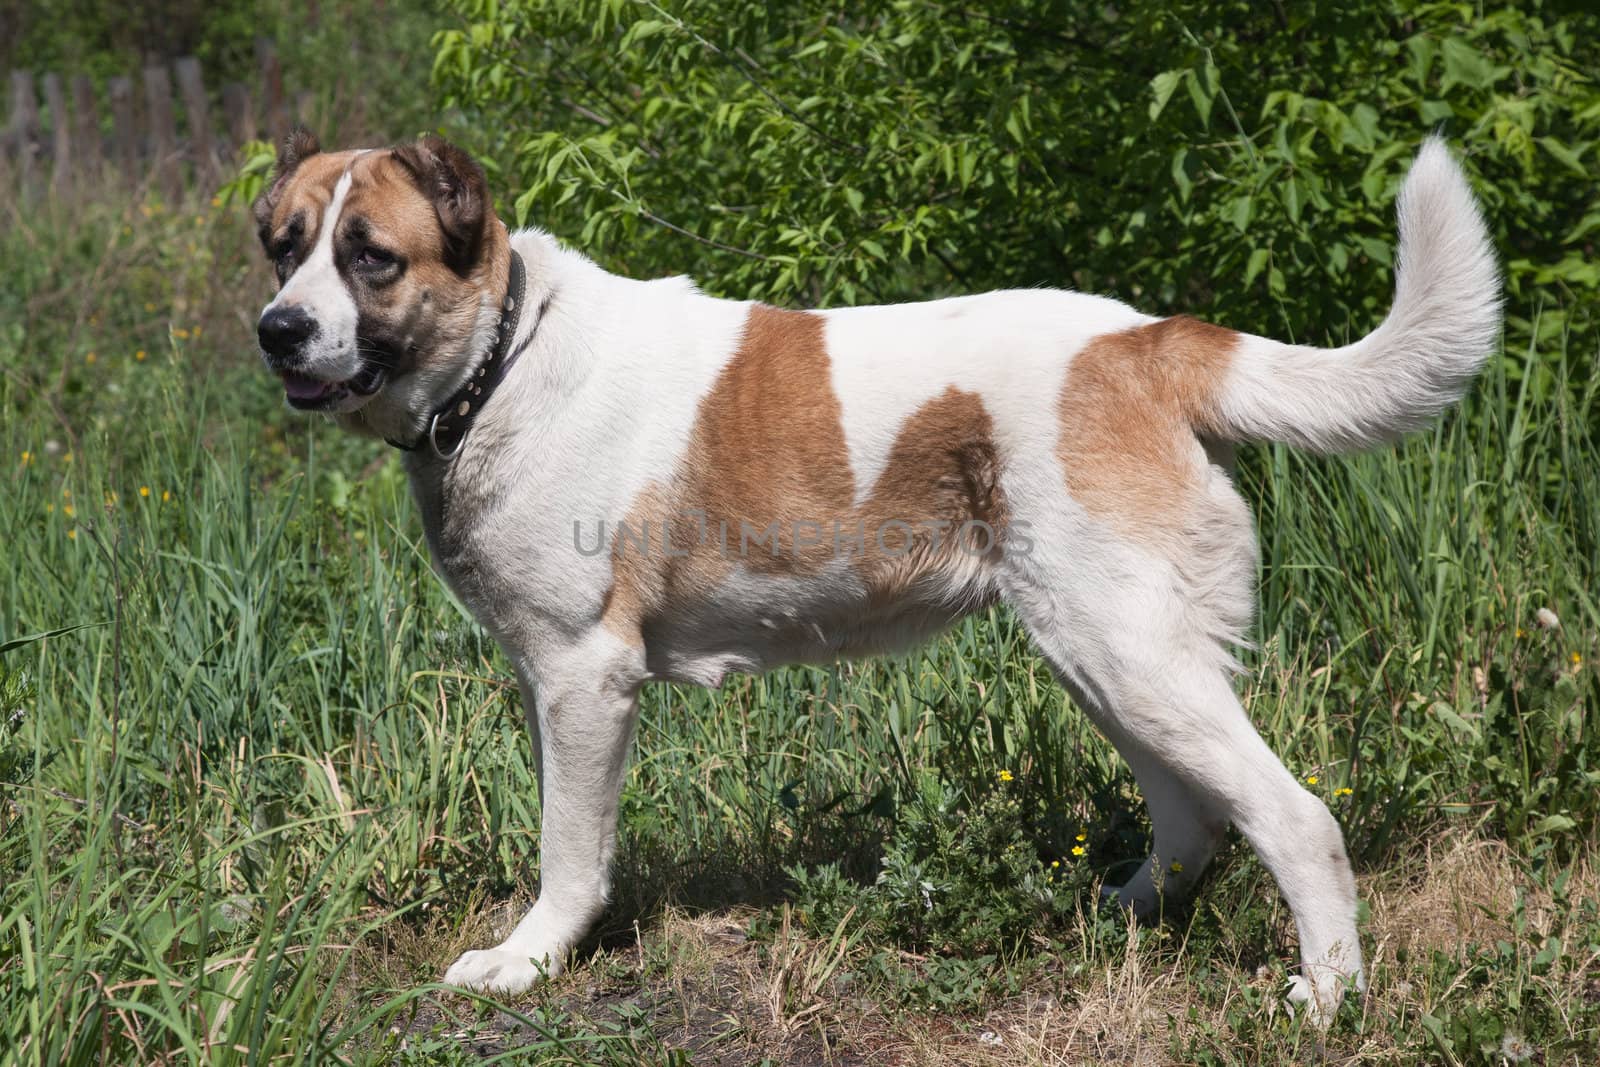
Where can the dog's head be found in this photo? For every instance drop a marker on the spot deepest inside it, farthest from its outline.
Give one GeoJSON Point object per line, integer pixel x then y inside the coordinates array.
{"type": "Point", "coordinates": [391, 267]}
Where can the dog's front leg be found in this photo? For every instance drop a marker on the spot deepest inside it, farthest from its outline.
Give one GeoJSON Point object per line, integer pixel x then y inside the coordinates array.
{"type": "Point", "coordinates": [582, 732]}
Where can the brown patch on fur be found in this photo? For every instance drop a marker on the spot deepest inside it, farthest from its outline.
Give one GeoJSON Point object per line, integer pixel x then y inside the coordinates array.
{"type": "Point", "coordinates": [432, 307]}
{"type": "Point", "coordinates": [943, 479]}
{"type": "Point", "coordinates": [768, 452]}
{"type": "Point", "coordinates": [1131, 411]}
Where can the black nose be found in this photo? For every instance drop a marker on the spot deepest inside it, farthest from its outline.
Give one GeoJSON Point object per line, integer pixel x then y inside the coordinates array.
{"type": "Point", "coordinates": [282, 330]}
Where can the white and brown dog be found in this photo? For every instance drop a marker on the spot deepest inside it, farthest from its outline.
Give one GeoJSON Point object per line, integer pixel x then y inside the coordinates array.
{"type": "Point", "coordinates": [658, 485]}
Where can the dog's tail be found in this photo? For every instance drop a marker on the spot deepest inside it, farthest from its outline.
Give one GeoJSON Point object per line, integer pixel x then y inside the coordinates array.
{"type": "Point", "coordinates": [1438, 334]}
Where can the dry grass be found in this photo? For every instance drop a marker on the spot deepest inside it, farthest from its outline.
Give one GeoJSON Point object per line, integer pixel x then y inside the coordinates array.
{"type": "Point", "coordinates": [704, 985]}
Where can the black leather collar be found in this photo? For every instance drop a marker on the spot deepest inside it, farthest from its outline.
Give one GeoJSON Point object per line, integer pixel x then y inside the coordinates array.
{"type": "Point", "coordinates": [449, 425]}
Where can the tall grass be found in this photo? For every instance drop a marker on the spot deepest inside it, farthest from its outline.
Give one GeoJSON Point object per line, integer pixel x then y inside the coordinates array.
{"type": "Point", "coordinates": [264, 751]}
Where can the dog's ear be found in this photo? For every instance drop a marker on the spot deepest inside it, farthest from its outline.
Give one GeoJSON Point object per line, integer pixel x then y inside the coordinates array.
{"type": "Point", "coordinates": [299, 145]}
{"type": "Point", "coordinates": [455, 184]}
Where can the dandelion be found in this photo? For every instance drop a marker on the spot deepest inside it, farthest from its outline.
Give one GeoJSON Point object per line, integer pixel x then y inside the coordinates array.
{"type": "Point", "coordinates": [1577, 659]}
{"type": "Point", "coordinates": [166, 495]}
{"type": "Point", "coordinates": [27, 457]}
{"type": "Point", "coordinates": [180, 333]}
{"type": "Point", "coordinates": [1343, 791]}
{"type": "Point", "coordinates": [66, 509]}
{"type": "Point", "coordinates": [1055, 863]}
{"type": "Point", "coordinates": [1312, 779]}
{"type": "Point", "coordinates": [216, 201]}
{"type": "Point", "coordinates": [1005, 776]}
{"type": "Point", "coordinates": [1521, 633]}
{"type": "Point", "coordinates": [1176, 868]}
{"type": "Point", "coordinates": [1083, 835]}
{"type": "Point", "coordinates": [144, 490]}
{"type": "Point", "coordinates": [90, 357]}
{"type": "Point", "coordinates": [1078, 850]}
{"type": "Point", "coordinates": [1547, 619]}
{"type": "Point", "coordinates": [139, 355]}
{"type": "Point", "coordinates": [72, 534]}
{"type": "Point", "coordinates": [1515, 1048]}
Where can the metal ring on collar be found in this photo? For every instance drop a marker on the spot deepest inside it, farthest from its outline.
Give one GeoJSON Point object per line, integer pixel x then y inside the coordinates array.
{"type": "Point", "coordinates": [433, 440]}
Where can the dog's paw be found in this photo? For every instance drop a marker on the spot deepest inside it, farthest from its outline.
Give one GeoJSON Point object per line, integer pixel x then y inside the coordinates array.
{"type": "Point", "coordinates": [494, 970]}
{"type": "Point", "coordinates": [1318, 1006]}
{"type": "Point", "coordinates": [1137, 896]}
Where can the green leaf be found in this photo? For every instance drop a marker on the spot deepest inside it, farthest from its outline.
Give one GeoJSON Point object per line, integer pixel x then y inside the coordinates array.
{"type": "Point", "coordinates": [1465, 65]}
{"type": "Point", "coordinates": [1258, 261]}
{"type": "Point", "coordinates": [1162, 86]}
{"type": "Point", "coordinates": [1552, 824]}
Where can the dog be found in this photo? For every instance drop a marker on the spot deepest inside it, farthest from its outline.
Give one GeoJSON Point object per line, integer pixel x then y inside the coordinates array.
{"type": "Point", "coordinates": [630, 482]}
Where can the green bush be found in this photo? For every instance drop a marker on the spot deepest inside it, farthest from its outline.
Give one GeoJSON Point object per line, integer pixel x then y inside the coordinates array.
{"type": "Point", "coordinates": [1237, 160]}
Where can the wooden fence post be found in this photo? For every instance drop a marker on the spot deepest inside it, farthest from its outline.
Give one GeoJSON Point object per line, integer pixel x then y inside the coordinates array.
{"type": "Point", "coordinates": [238, 114]}
{"type": "Point", "coordinates": [24, 128]}
{"type": "Point", "coordinates": [197, 119]}
{"type": "Point", "coordinates": [277, 111]}
{"type": "Point", "coordinates": [163, 130]}
{"type": "Point", "coordinates": [55, 98]}
{"type": "Point", "coordinates": [85, 128]}
{"type": "Point", "coordinates": [124, 131]}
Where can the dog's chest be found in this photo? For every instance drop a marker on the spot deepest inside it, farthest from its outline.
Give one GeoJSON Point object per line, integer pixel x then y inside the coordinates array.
{"type": "Point", "coordinates": [499, 553]}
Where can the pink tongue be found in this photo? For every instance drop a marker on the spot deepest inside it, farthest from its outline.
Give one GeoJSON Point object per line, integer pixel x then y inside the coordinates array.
{"type": "Point", "coordinates": [301, 387]}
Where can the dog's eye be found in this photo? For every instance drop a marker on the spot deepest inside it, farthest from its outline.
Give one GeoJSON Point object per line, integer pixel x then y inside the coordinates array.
{"type": "Point", "coordinates": [373, 257]}
{"type": "Point", "coordinates": [283, 260]}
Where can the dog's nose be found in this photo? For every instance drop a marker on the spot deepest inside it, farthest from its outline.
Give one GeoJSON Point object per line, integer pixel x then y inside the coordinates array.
{"type": "Point", "coordinates": [283, 329]}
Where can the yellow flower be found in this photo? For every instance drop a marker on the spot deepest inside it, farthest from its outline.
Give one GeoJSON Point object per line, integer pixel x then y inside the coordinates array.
{"type": "Point", "coordinates": [196, 333]}
{"type": "Point", "coordinates": [72, 534]}
{"type": "Point", "coordinates": [1343, 791]}
{"type": "Point", "coordinates": [66, 509]}
{"type": "Point", "coordinates": [165, 496]}
{"type": "Point", "coordinates": [1083, 835]}
{"type": "Point", "coordinates": [1078, 850]}
{"type": "Point", "coordinates": [1055, 863]}
{"type": "Point", "coordinates": [144, 490]}
{"type": "Point", "coordinates": [1311, 779]}
{"type": "Point", "coordinates": [64, 490]}
{"type": "Point", "coordinates": [90, 358]}
{"type": "Point", "coordinates": [1005, 776]}
{"type": "Point", "coordinates": [50, 509]}
{"type": "Point", "coordinates": [1577, 660]}
{"type": "Point", "coordinates": [27, 457]}
{"type": "Point", "coordinates": [199, 220]}
{"type": "Point", "coordinates": [216, 201]}
{"type": "Point", "coordinates": [179, 332]}
{"type": "Point", "coordinates": [139, 355]}
{"type": "Point", "coordinates": [149, 305]}
{"type": "Point", "coordinates": [1521, 633]}
{"type": "Point", "coordinates": [1176, 868]}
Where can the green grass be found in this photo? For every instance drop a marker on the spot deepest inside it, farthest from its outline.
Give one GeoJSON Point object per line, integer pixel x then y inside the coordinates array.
{"type": "Point", "coordinates": [271, 779]}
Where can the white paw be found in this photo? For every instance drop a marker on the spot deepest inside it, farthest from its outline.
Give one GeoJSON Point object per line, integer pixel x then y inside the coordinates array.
{"type": "Point", "coordinates": [1318, 1005]}
{"type": "Point", "coordinates": [494, 970]}
{"type": "Point", "coordinates": [1137, 895]}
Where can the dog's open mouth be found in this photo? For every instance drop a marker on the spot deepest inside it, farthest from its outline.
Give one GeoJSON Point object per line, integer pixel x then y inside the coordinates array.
{"type": "Point", "coordinates": [316, 394]}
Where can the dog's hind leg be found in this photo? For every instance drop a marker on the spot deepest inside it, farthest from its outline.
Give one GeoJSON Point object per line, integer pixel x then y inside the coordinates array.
{"type": "Point", "coordinates": [586, 706]}
{"type": "Point", "coordinates": [1142, 650]}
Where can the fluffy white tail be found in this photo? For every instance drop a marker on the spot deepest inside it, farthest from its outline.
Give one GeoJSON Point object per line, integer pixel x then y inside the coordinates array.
{"type": "Point", "coordinates": [1442, 328]}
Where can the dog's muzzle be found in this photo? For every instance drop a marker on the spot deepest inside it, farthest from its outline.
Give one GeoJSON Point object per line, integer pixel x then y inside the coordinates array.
{"type": "Point", "coordinates": [283, 332]}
